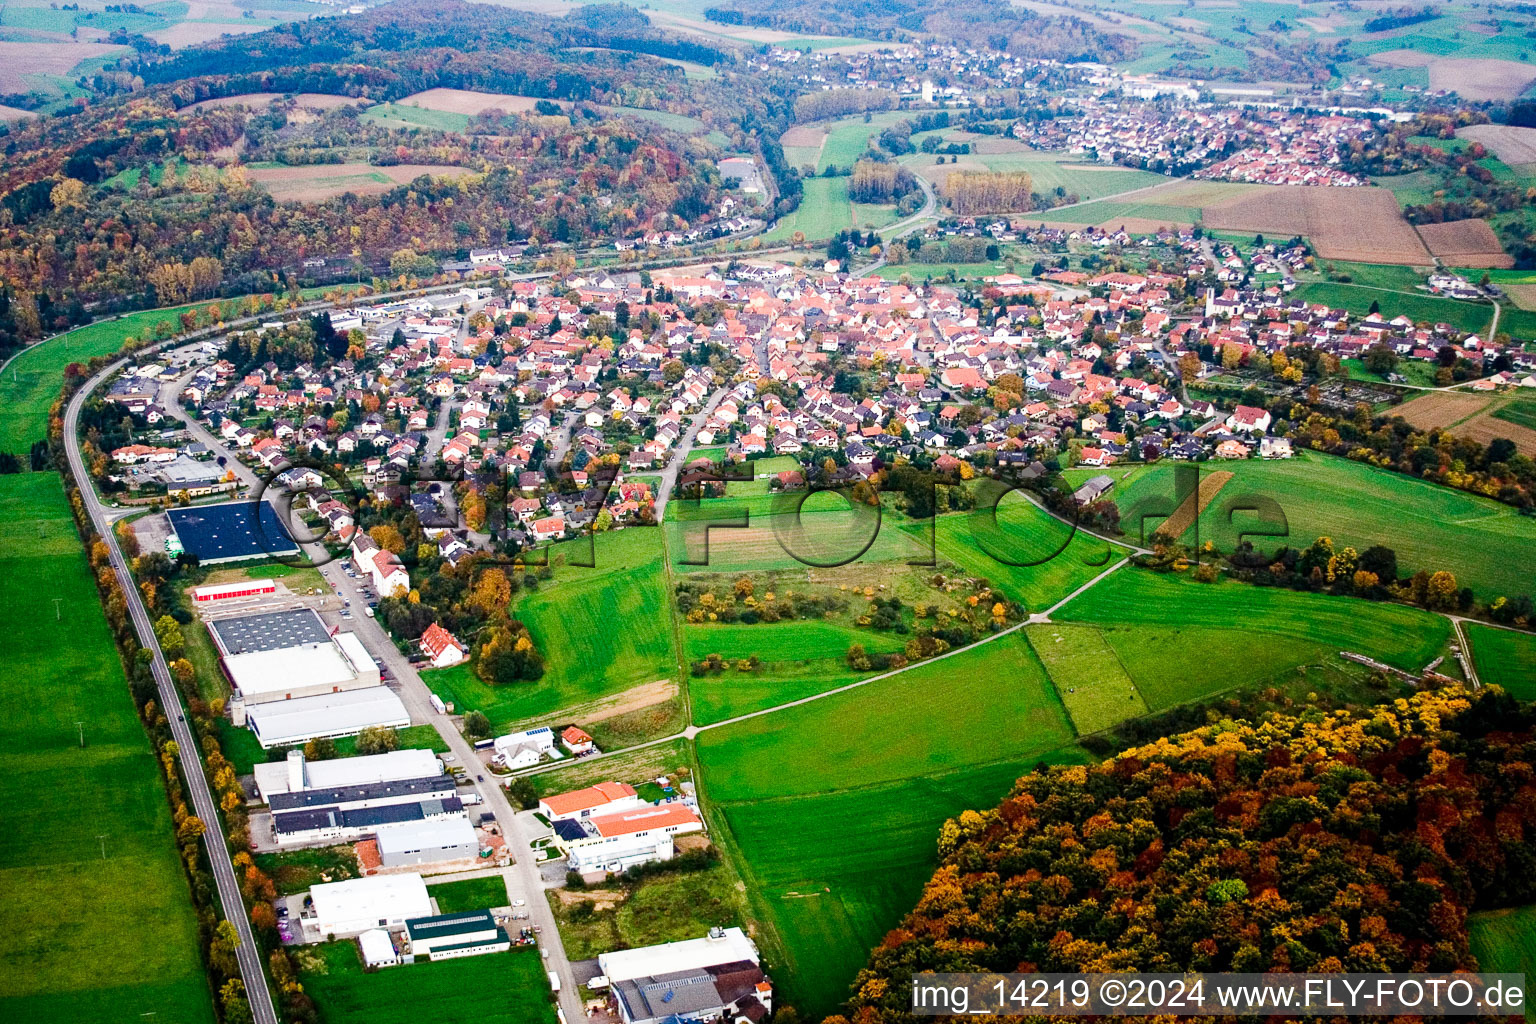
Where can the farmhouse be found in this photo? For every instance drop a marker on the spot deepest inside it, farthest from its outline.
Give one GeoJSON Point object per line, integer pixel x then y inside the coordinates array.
{"type": "Point", "coordinates": [441, 647]}
{"type": "Point", "coordinates": [452, 935]}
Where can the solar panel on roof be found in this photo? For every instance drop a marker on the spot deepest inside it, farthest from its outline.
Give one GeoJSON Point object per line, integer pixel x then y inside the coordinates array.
{"type": "Point", "coordinates": [233, 530]}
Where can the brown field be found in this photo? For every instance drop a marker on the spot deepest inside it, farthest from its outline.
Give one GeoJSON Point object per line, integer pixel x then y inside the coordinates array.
{"type": "Point", "coordinates": [1466, 243]}
{"type": "Point", "coordinates": [938, 174]}
{"type": "Point", "coordinates": [464, 101]}
{"type": "Point", "coordinates": [1441, 409]}
{"type": "Point", "coordinates": [803, 136]}
{"type": "Point", "coordinates": [1144, 225]}
{"type": "Point", "coordinates": [1514, 146]}
{"type": "Point", "coordinates": [1482, 79]}
{"type": "Point", "coordinates": [258, 100]}
{"type": "Point", "coordinates": [18, 60]}
{"type": "Point", "coordinates": [1485, 427]}
{"type": "Point", "coordinates": [1402, 59]}
{"type": "Point", "coordinates": [191, 33]}
{"type": "Point", "coordinates": [323, 181]}
{"type": "Point", "coordinates": [1185, 515]}
{"type": "Point", "coordinates": [1524, 295]}
{"type": "Point", "coordinates": [1358, 224]}
{"type": "Point", "coordinates": [14, 113]}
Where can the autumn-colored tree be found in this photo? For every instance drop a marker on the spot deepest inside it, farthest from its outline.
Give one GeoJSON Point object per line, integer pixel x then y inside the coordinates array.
{"type": "Point", "coordinates": [387, 537]}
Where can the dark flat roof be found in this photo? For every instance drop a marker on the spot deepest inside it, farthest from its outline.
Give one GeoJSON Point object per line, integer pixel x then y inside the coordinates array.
{"type": "Point", "coordinates": [270, 631]}
{"type": "Point", "coordinates": [450, 924]}
{"type": "Point", "coordinates": [363, 817]}
{"type": "Point", "coordinates": [361, 791]}
{"type": "Point", "coordinates": [233, 530]}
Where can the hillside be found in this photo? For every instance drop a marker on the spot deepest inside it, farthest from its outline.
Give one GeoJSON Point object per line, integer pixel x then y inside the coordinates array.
{"type": "Point", "coordinates": [1339, 842]}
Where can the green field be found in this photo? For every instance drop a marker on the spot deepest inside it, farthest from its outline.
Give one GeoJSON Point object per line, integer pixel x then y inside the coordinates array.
{"type": "Point", "coordinates": [1002, 547]}
{"type": "Point", "coordinates": [800, 657]}
{"type": "Point", "coordinates": [68, 909]}
{"type": "Point", "coordinates": [1504, 941]}
{"type": "Point", "coordinates": [1520, 411]}
{"type": "Point", "coordinates": [497, 988]}
{"type": "Point", "coordinates": [1050, 171]}
{"type": "Point", "coordinates": [33, 379]}
{"type": "Point", "coordinates": [1504, 658]}
{"type": "Point", "coordinates": [824, 210]}
{"type": "Point", "coordinates": [828, 531]}
{"type": "Point", "coordinates": [848, 138]}
{"type": "Point", "coordinates": [831, 808]}
{"type": "Point", "coordinates": [1357, 299]}
{"type": "Point", "coordinates": [470, 894]}
{"type": "Point", "coordinates": [666, 907]}
{"type": "Point", "coordinates": [405, 115]}
{"type": "Point", "coordinates": [1405, 637]}
{"type": "Point", "coordinates": [1088, 676]}
{"type": "Point", "coordinates": [1487, 545]}
{"type": "Point", "coordinates": [601, 630]}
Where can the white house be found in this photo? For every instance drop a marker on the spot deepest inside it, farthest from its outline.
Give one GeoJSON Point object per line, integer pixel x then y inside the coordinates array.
{"type": "Point", "coordinates": [442, 647]}
{"type": "Point", "coordinates": [1248, 419]}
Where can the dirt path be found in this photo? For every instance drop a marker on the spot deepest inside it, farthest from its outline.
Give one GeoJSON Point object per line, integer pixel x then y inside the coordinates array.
{"type": "Point", "coordinates": [1186, 514]}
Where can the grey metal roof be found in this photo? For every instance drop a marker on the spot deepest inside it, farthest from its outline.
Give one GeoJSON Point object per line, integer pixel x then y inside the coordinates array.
{"type": "Point", "coordinates": [270, 631]}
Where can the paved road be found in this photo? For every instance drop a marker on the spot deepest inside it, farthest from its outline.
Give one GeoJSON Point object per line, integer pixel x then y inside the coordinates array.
{"type": "Point", "coordinates": [680, 455]}
{"type": "Point", "coordinates": [903, 227]}
{"type": "Point", "coordinates": [523, 881]}
{"type": "Point", "coordinates": [203, 804]}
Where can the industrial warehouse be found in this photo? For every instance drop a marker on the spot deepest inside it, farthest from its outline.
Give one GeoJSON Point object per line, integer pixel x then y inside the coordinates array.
{"type": "Point", "coordinates": [295, 679]}
{"type": "Point", "coordinates": [230, 532]}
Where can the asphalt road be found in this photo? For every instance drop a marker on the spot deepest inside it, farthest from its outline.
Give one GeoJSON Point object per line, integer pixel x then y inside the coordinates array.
{"type": "Point", "coordinates": [520, 828]}
{"type": "Point", "coordinates": [203, 805]}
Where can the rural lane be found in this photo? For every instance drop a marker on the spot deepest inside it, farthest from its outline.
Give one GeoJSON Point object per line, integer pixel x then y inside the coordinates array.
{"type": "Point", "coordinates": [203, 805]}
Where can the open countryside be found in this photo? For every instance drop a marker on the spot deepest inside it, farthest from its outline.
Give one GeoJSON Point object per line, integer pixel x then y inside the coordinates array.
{"type": "Point", "coordinates": [693, 509]}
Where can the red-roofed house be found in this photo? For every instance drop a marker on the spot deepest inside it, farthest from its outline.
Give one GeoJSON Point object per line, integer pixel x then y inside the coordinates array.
{"type": "Point", "coordinates": [442, 647]}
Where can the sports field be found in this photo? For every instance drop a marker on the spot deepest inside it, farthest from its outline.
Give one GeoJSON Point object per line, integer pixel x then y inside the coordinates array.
{"type": "Point", "coordinates": [1399, 635]}
{"type": "Point", "coordinates": [1505, 941]}
{"type": "Point", "coordinates": [498, 988]}
{"type": "Point", "coordinates": [67, 908]}
{"type": "Point", "coordinates": [1487, 545]}
{"type": "Point", "coordinates": [1504, 658]}
{"type": "Point", "coordinates": [833, 806]}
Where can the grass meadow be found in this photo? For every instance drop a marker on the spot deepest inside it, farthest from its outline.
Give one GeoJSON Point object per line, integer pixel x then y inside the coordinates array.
{"type": "Point", "coordinates": [1505, 658]}
{"type": "Point", "coordinates": [1396, 634]}
{"type": "Point", "coordinates": [832, 808]}
{"type": "Point", "coordinates": [1486, 544]}
{"type": "Point", "coordinates": [601, 630]}
{"type": "Point", "coordinates": [497, 988]}
{"type": "Point", "coordinates": [799, 658]}
{"type": "Point", "coordinates": [1089, 678]}
{"type": "Point", "coordinates": [1504, 941]}
{"type": "Point", "coordinates": [470, 894]}
{"type": "Point", "coordinates": [1029, 555]}
{"type": "Point", "coordinates": [68, 912]}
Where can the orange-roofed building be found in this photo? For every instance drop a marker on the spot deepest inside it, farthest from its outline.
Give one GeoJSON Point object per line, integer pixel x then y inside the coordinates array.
{"type": "Point", "coordinates": [603, 798]}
